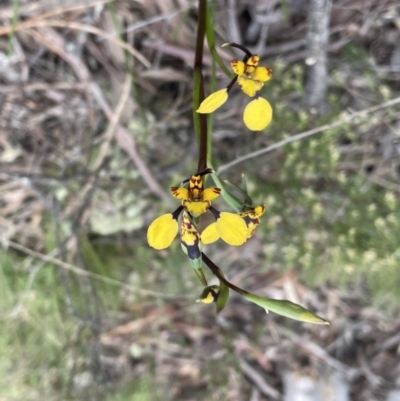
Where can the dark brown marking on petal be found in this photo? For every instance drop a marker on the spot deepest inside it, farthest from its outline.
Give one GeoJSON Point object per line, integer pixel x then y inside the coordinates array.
{"type": "Point", "coordinates": [177, 212]}
{"type": "Point", "coordinates": [174, 190]}
{"type": "Point", "coordinates": [215, 212]}
{"type": "Point", "coordinates": [253, 61]}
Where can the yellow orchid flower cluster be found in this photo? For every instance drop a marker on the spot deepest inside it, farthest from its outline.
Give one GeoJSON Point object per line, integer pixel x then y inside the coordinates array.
{"type": "Point", "coordinates": [195, 201]}
{"type": "Point", "coordinates": [251, 78]}
{"type": "Point", "coordinates": [233, 228]}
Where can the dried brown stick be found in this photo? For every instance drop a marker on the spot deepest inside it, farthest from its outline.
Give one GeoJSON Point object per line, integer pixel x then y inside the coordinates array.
{"type": "Point", "coordinates": [111, 129]}
{"type": "Point", "coordinates": [258, 380]}
{"type": "Point", "coordinates": [43, 86]}
{"type": "Point", "coordinates": [123, 137]}
{"type": "Point", "coordinates": [37, 23]}
{"type": "Point", "coordinates": [319, 352]}
{"type": "Point", "coordinates": [185, 54]}
{"type": "Point", "coordinates": [49, 7]}
{"type": "Point", "coordinates": [81, 272]}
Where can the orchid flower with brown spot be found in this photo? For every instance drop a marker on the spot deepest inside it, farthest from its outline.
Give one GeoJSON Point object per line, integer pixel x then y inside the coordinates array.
{"type": "Point", "coordinates": [196, 200]}
{"type": "Point", "coordinates": [251, 78]}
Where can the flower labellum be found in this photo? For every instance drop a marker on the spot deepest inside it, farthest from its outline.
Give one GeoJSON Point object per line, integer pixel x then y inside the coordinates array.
{"type": "Point", "coordinates": [257, 114]}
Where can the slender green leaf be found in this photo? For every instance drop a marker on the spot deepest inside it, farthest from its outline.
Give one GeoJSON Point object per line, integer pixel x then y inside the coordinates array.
{"type": "Point", "coordinates": [222, 297]}
{"type": "Point", "coordinates": [15, 9]}
{"type": "Point", "coordinates": [200, 275]}
{"type": "Point", "coordinates": [211, 41]}
{"type": "Point", "coordinates": [286, 308]}
{"type": "Point", "coordinates": [230, 199]}
{"type": "Point", "coordinates": [247, 199]}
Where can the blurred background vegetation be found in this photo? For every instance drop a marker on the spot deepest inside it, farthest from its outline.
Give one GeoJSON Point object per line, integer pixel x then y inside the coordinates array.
{"type": "Point", "coordinates": [96, 125]}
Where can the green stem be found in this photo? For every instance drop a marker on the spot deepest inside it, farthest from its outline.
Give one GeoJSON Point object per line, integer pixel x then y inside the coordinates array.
{"type": "Point", "coordinates": [217, 273]}
{"type": "Point", "coordinates": [200, 120]}
{"type": "Point", "coordinates": [15, 9]}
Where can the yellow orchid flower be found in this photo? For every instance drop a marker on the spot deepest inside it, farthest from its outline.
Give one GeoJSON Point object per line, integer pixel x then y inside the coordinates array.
{"type": "Point", "coordinates": [251, 217]}
{"type": "Point", "coordinates": [209, 295]}
{"type": "Point", "coordinates": [251, 78]}
{"type": "Point", "coordinates": [196, 200]}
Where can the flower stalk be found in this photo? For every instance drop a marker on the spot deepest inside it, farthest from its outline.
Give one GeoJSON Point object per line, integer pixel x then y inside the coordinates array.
{"type": "Point", "coordinates": [200, 121]}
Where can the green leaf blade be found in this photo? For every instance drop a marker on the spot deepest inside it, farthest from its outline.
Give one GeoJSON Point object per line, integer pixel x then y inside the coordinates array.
{"type": "Point", "coordinates": [286, 308]}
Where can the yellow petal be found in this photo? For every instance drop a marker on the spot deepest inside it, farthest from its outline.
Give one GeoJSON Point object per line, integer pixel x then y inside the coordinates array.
{"type": "Point", "coordinates": [162, 231]}
{"type": "Point", "coordinates": [251, 226]}
{"type": "Point", "coordinates": [210, 234]}
{"type": "Point", "coordinates": [213, 102]}
{"type": "Point", "coordinates": [179, 192]}
{"type": "Point", "coordinates": [232, 228]}
{"type": "Point", "coordinates": [190, 239]}
{"type": "Point", "coordinates": [259, 210]}
{"type": "Point", "coordinates": [253, 213]}
{"type": "Point", "coordinates": [211, 193]}
{"type": "Point", "coordinates": [249, 86]}
{"type": "Point", "coordinates": [209, 294]}
{"type": "Point", "coordinates": [257, 114]}
{"type": "Point", "coordinates": [238, 67]}
{"type": "Point", "coordinates": [196, 207]}
{"type": "Point", "coordinates": [253, 60]}
{"type": "Point", "coordinates": [262, 74]}
{"type": "Point", "coordinates": [189, 235]}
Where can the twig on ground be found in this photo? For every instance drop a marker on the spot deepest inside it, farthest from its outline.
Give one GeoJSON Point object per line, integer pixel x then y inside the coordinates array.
{"type": "Point", "coordinates": [81, 272]}
{"type": "Point", "coordinates": [124, 138]}
{"type": "Point", "coordinates": [185, 54]}
{"type": "Point", "coordinates": [38, 23]}
{"type": "Point", "coordinates": [50, 8]}
{"type": "Point", "coordinates": [308, 133]}
{"type": "Point", "coordinates": [110, 133]}
{"type": "Point", "coordinates": [42, 86]}
{"type": "Point", "coordinates": [258, 380]}
{"type": "Point", "coordinates": [29, 283]}
{"type": "Point", "coordinates": [313, 348]}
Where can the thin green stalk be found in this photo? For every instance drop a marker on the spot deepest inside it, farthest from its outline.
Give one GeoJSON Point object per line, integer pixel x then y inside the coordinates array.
{"type": "Point", "coordinates": [217, 273]}
{"type": "Point", "coordinates": [15, 9]}
{"type": "Point", "coordinates": [200, 120]}
{"type": "Point", "coordinates": [213, 82]}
